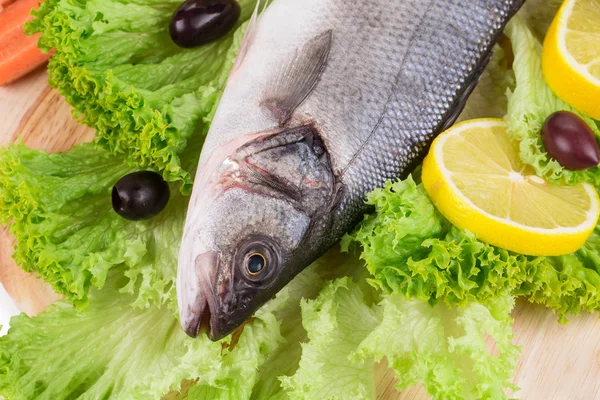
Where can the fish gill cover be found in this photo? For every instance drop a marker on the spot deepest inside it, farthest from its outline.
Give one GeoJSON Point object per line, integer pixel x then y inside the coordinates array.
{"type": "Point", "coordinates": [428, 297]}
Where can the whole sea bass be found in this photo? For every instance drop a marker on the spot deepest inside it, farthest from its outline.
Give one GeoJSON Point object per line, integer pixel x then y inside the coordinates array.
{"type": "Point", "coordinates": [327, 100]}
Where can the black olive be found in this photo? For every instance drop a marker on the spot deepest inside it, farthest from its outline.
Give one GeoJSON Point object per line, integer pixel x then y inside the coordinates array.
{"type": "Point", "coordinates": [198, 22]}
{"type": "Point", "coordinates": [140, 195]}
{"type": "Point", "coordinates": [570, 141]}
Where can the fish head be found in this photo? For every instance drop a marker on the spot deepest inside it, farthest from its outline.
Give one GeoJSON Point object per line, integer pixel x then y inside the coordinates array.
{"type": "Point", "coordinates": [260, 219]}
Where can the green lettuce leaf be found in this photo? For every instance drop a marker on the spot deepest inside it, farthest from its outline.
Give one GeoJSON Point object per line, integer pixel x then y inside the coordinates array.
{"type": "Point", "coordinates": [409, 248]}
{"type": "Point", "coordinates": [115, 63]}
{"type": "Point", "coordinates": [283, 364]}
{"type": "Point", "coordinates": [60, 210]}
{"type": "Point", "coordinates": [109, 350]}
{"type": "Point", "coordinates": [336, 322]}
{"type": "Point", "coordinates": [445, 348]}
{"type": "Point", "coordinates": [531, 103]}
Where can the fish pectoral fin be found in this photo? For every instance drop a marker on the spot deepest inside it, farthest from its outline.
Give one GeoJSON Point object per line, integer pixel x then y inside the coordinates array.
{"type": "Point", "coordinates": [297, 78]}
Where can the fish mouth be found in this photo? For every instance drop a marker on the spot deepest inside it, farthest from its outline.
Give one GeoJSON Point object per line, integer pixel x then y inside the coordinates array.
{"type": "Point", "coordinates": [194, 283]}
{"type": "Point", "coordinates": [200, 321]}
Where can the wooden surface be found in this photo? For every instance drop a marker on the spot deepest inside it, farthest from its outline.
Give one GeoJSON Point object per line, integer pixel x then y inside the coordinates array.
{"type": "Point", "coordinates": [557, 363]}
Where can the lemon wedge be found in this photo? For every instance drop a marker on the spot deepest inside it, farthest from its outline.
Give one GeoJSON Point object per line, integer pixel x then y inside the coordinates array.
{"type": "Point", "coordinates": [571, 55]}
{"type": "Point", "coordinates": [475, 178]}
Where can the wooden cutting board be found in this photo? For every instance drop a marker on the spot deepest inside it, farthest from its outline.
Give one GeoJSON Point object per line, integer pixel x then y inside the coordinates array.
{"type": "Point", "coordinates": [557, 363]}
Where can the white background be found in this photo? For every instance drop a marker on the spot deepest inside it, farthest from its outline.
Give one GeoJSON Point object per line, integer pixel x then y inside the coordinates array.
{"type": "Point", "coordinates": [7, 309]}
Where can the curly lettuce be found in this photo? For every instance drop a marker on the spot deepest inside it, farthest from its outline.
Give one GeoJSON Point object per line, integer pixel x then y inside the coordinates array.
{"type": "Point", "coordinates": [59, 208]}
{"type": "Point", "coordinates": [337, 322]}
{"type": "Point", "coordinates": [116, 64]}
{"type": "Point", "coordinates": [447, 349]}
{"type": "Point", "coordinates": [411, 249]}
{"type": "Point", "coordinates": [109, 350]}
{"type": "Point", "coordinates": [443, 348]}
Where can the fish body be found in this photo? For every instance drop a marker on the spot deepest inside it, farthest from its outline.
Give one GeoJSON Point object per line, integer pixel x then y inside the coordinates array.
{"type": "Point", "coordinates": [327, 100]}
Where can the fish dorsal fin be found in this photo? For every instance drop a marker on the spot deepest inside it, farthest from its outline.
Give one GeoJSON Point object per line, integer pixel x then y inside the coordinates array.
{"type": "Point", "coordinates": [250, 32]}
{"type": "Point", "coordinates": [297, 78]}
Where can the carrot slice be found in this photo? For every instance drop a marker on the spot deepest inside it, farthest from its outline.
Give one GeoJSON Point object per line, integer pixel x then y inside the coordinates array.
{"type": "Point", "coordinates": [18, 53]}
{"type": "Point", "coordinates": [5, 3]}
{"type": "Point", "coordinates": [14, 17]}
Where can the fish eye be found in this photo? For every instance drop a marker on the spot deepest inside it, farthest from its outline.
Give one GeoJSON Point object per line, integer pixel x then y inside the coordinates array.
{"type": "Point", "coordinates": [255, 263]}
{"type": "Point", "coordinates": [257, 259]}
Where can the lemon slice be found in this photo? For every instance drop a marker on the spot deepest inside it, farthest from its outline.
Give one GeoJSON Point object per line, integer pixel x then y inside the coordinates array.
{"type": "Point", "coordinates": [571, 56]}
{"type": "Point", "coordinates": [475, 178]}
